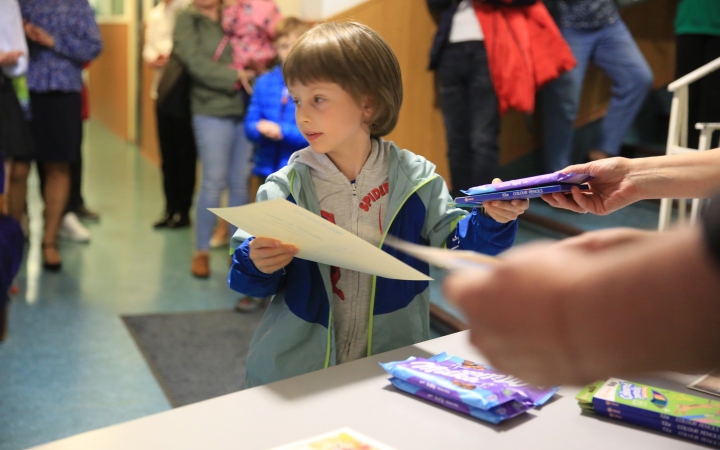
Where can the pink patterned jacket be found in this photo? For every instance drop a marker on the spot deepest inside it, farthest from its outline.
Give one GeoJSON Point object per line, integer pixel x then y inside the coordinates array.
{"type": "Point", "coordinates": [250, 28]}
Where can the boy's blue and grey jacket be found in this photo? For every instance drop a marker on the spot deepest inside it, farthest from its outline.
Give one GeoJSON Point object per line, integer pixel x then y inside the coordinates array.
{"type": "Point", "coordinates": [295, 335]}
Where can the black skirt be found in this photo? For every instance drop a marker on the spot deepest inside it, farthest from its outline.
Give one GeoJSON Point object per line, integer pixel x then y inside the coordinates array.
{"type": "Point", "coordinates": [56, 126]}
{"type": "Point", "coordinates": [15, 138]}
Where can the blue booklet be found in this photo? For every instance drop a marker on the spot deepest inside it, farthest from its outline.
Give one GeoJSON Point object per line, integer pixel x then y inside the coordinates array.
{"type": "Point", "coordinates": [517, 194]}
{"type": "Point", "coordinates": [549, 179]}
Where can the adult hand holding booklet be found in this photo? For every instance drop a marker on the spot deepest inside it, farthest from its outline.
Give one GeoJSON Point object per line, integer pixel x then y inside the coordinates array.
{"type": "Point", "coordinates": [316, 239]}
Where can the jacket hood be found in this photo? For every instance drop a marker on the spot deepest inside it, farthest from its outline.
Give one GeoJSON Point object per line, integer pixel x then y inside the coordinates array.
{"type": "Point", "coordinates": [414, 167]}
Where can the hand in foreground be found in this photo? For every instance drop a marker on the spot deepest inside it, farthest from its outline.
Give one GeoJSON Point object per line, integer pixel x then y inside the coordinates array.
{"type": "Point", "coordinates": [10, 58]}
{"type": "Point", "coordinates": [611, 189]}
{"type": "Point", "coordinates": [270, 255]}
{"type": "Point", "coordinates": [561, 314]}
{"type": "Point", "coordinates": [269, 129]}
{"type": "Point", "coordinates": [606, 239]}
{"type": "Point", "coordinates": [505, 211]}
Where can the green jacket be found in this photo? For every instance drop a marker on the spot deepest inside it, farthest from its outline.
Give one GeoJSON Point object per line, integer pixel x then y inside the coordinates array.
{"type": "Point", "coordinates": [698, 17]}
{"type": "Point", "coordinates": [195, 40]}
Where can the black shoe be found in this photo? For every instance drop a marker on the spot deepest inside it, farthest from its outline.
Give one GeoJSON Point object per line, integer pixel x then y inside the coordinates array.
{"type": "Point", "coordinates": [178, 220]}
{"type": "Point", "coordinates": [85, 214]}
{"type": "Point", "coordinates": [52, 267]}
{"type": "Point", "coordinates": [163, 221]}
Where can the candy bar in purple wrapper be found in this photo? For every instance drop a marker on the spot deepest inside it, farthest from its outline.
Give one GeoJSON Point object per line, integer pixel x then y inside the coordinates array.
{"type": "Point", "coordinates": [473, 384]}
{"type": "Point", "coordinates": [493, 415]}
{"type": "Point", "coordinates": [539, 180]}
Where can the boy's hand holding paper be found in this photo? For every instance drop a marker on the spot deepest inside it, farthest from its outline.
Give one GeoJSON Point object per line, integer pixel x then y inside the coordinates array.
{"type": "Point", "coordinates": [270, 255]}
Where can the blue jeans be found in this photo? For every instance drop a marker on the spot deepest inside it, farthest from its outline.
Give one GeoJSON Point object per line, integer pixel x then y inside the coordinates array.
{"type": "Point", "coordinates": [225, 158]}
{"type": "Point", "coordinates": [613, 49]}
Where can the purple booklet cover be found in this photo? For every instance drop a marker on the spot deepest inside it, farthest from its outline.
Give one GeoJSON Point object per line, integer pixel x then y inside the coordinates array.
{"type": "Point", "coordinates": [517, 194]}
{"type": "Point", "coordinates": [523, 183]}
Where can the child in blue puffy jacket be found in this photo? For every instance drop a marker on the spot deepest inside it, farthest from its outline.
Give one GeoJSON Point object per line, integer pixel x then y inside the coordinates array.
{"type": "Point", "coordinates": [270, 118]}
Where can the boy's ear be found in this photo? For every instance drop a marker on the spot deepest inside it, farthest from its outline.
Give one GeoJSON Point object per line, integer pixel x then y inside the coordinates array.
{"type": "Point", "coordinates": [368, 107]}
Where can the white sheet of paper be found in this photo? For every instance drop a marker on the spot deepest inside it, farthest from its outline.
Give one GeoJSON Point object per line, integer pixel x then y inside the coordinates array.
{"type": "Point", "coordinates": [316, 239]}
{"type": "Point", "coordinates": [443, 258]}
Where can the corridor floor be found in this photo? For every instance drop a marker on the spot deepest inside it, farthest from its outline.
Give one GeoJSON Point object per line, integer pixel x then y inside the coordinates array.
{"type": "Point", "coordinates": [69, 364]}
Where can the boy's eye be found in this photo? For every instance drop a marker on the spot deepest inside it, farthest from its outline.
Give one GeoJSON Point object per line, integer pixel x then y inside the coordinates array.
{"type": "Point", "coordinates": [296, 101]}
{"type": "Point", "coordinates": [319, 99]}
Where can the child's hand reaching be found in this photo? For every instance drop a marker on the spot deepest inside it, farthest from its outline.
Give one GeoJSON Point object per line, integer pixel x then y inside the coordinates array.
{"type": "Point", "coordinates": [505, 211]}
{"type": "Point", "coordinates": [270, 130]}
{"type": "Point", "coordinates": [270, 255]}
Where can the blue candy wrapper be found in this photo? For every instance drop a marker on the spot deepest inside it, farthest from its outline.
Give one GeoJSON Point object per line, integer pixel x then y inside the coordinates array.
{"type": "Point", "coordinates": [517, 194]}
{"type": "Point", "coordinates": [494, 415]}
{"type": "Point", "coordinates": [474, 385]}
{"type": "Point", "coordinates": [525, 183]}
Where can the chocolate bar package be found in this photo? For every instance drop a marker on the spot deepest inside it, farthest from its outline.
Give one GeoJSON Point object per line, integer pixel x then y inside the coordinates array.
{"type": "Point", "coordinates": [517, 194]}
{"type": "Point", "coordinates": [493, 415]}
{"type": "Point", "coordinates": [475, 385]}
{"type": "Point", "coordinates": [524, 183]}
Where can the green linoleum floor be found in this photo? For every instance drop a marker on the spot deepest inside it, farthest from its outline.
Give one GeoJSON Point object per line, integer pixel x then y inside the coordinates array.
{"type": "Point", "coordinates": [69, 365]}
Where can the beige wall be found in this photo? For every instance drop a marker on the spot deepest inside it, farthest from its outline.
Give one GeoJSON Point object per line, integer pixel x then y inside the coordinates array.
{"type": "Point", "coordinates": [108, 84]}
{"type": "Point", "coordinates": [290, 7]}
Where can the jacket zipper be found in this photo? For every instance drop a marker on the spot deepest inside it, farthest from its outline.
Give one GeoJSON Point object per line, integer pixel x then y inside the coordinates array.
{"type": "Point", "coordinates": [374, 279]}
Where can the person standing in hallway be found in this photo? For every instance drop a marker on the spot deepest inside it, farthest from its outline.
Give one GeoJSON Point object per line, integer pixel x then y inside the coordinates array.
{"type": "Point", "coordinates": [174, 129]}
{"type": "Point", "coordinates": [467, 96]}
{"type": "Point", "coordinates": [15, 136]}
{"type": "Point", "coordinates": [218, 119]}
{"type": "Point", "coordinates": [63, 36]}
{"type": "Point", "coordinates": [697, 39]}
{"type": "Point", "coordinates": [595, 33]}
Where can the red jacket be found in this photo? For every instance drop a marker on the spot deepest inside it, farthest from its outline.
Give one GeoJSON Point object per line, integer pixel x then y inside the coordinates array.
{"type": "Point", "coordinates": [525, 50]}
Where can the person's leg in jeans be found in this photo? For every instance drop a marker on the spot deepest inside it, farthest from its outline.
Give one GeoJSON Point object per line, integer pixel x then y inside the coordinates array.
{"type": "Point", "coordinates": [215, 139]}
{"type": "Point", "coordinates": [240, 168]}
{"type": "Point", "coordinates": [619, 57]}
{"type": "Point", "coordinates": [453, 76]}
{"type": "Point", "coordinates": [484, 119]}
{"type": "Point", "coordinates": [561, 99]}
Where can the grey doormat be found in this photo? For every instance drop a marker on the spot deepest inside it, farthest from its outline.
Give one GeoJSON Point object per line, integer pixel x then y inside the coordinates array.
{"type": "Point", "coordinates": [195, 356]}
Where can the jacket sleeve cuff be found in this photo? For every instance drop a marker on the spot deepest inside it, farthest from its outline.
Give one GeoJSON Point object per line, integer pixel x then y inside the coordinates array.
{"type": "Point", "coordinates": [483, 234]}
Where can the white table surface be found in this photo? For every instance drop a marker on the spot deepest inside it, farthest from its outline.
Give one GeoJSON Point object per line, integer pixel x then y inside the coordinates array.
{"type": "Point", "coordinates": [358, 395]}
